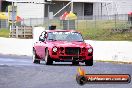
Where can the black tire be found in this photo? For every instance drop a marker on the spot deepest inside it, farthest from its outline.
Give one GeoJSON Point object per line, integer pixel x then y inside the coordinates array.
{"type": "Point", "coordinates": [35, 58]}
{"type": "Point", "coordinates": [75, 63]}
{"type": "Point", "coordinates": [89, 62]}
{"type": "Point", "coordinates": [47, 59]}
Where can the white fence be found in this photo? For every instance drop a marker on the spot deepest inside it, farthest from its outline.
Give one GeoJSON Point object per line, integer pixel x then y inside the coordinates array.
{"type": "Point", "coordinates": [21, 32]}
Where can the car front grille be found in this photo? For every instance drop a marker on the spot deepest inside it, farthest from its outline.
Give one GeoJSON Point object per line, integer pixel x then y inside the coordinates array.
{"type": "Point", "coordinates": [72, 50]}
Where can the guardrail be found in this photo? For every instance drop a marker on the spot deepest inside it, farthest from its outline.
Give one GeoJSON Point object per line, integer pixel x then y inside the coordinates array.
{"type": "Point", "coordinates": [21, 32]}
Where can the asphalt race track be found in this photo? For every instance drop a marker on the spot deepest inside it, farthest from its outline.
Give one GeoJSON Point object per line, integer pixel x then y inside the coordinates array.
{"type": "Point", "coordinates": [20, 72]}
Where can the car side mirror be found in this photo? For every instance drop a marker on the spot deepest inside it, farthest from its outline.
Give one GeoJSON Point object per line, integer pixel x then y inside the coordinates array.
{"type": "Point", "coordinates": [41, 38]}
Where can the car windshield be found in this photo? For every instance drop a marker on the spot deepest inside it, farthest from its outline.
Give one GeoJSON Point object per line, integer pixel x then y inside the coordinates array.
{"type": "Point", "coordinates": [65, 36]}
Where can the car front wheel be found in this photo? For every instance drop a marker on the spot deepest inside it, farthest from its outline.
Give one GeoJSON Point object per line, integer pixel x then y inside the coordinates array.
{"type": "Point", "coordinates": [89, 62]}
{"type": "Point", "coordinates": [48, 60]}
{"type": "Point", "coordinates": [35, 58]}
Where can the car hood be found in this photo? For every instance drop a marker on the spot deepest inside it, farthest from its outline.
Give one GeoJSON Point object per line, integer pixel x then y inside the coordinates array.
{"type": "Point", "coordinates": [69, 44]}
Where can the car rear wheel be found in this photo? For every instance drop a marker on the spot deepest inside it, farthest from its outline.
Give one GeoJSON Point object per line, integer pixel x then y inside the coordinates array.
{"type": "Point", "coordinates": [89, 62]}
{"type": "Point", "coordinates": [48, 60]}
{"type": "Point", "coordinates": [35, 58]}
{"type": "Point", "coordinates": [75, 63]}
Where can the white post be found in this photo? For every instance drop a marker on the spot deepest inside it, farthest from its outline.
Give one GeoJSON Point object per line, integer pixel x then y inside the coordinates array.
{"type": "Point", "coordinates": [44, 14]}
{"type": "Point", "coordinates": [13, 13]}
{"type": "Point", "coordinates": [16, 31]}
{"type": "Point", "coordinates": [72, 6]}
{"type": "Point", "coordinates": [107, 10]}
{"type": "Point", "coordinates": [11, 32]}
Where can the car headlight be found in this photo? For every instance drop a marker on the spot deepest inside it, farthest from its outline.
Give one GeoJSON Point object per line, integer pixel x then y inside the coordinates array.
{"type": "Point", "coordinates": [90, 50]}
{"type": "Point", "coordinates": [54, 49]}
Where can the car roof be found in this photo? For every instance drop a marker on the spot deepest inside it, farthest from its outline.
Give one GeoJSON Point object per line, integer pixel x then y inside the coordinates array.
{"type": "Point", "coordinates": [58, 30]}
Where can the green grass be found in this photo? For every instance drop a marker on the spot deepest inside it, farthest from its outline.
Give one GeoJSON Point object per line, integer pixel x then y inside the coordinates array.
{"type": "Point", "coordinates": [4, 33]}
{"type": "Point", "coordinates": [93, 30]}
{"type": "Point", "coordinates": [101, 30]}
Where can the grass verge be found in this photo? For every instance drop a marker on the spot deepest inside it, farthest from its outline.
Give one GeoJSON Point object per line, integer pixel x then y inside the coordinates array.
{"type": "Point", "coordinates": [101, 30]}
{"type": "Point", "coordinates": [94, 30]}
{"type": "Point", "coordinates": [4, 33]}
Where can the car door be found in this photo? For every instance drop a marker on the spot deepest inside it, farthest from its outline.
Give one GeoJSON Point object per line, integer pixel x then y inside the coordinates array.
{"type": "Point", "coordinates": [40, 49]}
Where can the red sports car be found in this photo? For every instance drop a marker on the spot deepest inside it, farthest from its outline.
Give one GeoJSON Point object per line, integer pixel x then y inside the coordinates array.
{"type": "Point", "coordinates": [62, 46]}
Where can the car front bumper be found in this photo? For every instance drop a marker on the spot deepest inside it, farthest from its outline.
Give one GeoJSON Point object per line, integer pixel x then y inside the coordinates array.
{"type": "Point", "coordinates": [71, 58]}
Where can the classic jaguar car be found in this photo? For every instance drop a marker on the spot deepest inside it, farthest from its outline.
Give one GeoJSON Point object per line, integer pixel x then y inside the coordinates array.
{"type": "Point", "coordinates": [62, 46]}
